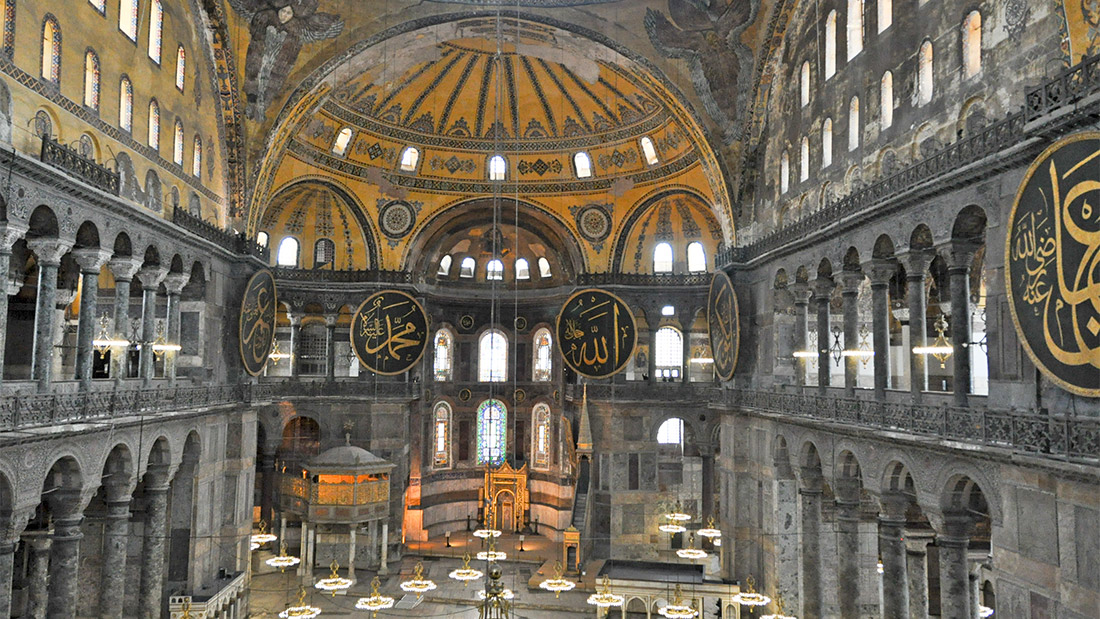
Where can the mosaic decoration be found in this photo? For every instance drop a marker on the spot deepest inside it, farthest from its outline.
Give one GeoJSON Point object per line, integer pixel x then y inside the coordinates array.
{"type": "Point", "coordinates": [618, 158]}
{"type": "Point", "coordinates": [723, 325]}
{"type": "Point", "coordinates": [389, 332]}
{"type": "Point", "coordinates": [539, 166]}
{"type": "Point", "coordinates": [1017, 14]}
{"type": "Point", "coordinates": [9, 27]}
{"type": "Point", "coordinates": [1052, 263]}
{"type": "Point", "coordinates": [396, 218]}
{"type": "Point", "coordinates": [43, 125]}
{"type": "Point", "coordinates": [594, 223]}
{"type": "Point", "coordinates": [492, 424]}
{"type": "Point", "coordinates": [256, 328]}
{"type": "Point", "coordinates": [596, 333]}
{"type": "Point", "coordinates": [1080, 26]}
{"type": "Point", "coordinates": [453, 164]}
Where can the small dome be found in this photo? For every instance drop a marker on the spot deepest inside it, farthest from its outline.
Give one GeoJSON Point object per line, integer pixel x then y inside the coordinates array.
{"type": "Point", "coordinates": [347, 456]}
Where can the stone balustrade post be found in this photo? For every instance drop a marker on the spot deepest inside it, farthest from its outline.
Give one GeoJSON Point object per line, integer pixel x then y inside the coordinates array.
{"type": "Point", "coordinates": [823, 296]}
{"type": "Point", "coordinates": [150, 276]}
{"type": "Point", "coordinates": [851, 281]}
{"type": "Point", "coordinates": [802, 294]}
{"type": "Point", "coordinates": [90, 260]}
{"type": "Point", "coordinates": [916, 268]}
{"type": "Point", "coordinates": [173, 284]}
{"type": "Point", "coordinates": [48, 252]}
{"type": "Point", "coordinates": [891, 545]}
{"type": "Point", "coordinates": [10, 233]}
{"type": "Point", "coordinates": [880, 272]}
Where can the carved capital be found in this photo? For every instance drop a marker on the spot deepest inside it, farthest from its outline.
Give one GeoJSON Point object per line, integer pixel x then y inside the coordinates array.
{"type": "Point", "coordinates": [90, 259]}
{"type": "Point", "coordinates": [850, 282]}
{"type": "Point", "coordinates": [10, 232]}
{"type": "Point", "coordinates": [801, 292]}
{"type": "Point", "coordinates": [916, 263]}
{"type": "Point", "coordinates": [880, 270]}
{"type": "Point", "coordinates": [174, 282]}
{"type": "Point", "coordinates": [823, 288]}
{"type": "Point", "coordinates": [330, 320]}
{"type": "Point", "coordinates": [124, 267]}
{"type": "Point", "coordinates": [151, 275]}
{"type": "Point", "coordinates": [960, 254]}
{"type": "Point", "coordinates": [49, 250]}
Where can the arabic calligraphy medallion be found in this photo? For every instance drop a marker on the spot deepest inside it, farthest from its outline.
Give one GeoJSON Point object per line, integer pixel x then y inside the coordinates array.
{"type": "Point", "coordinates": [389, 332]}
{"type": "Point", "coordinates": [723, 325]}
{"type": "Point", "coordinates": [256, 327]}
{"type": "Point", "coordinates": [1052, 263]}
{"type": "Point", "coordinates": [596, 333]}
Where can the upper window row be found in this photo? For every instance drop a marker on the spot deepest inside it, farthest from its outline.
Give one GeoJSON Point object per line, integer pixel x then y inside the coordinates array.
{"type": "Point", "coordinates": [494, 269]}
{"type": "Point", "coordinates": [664, 258]}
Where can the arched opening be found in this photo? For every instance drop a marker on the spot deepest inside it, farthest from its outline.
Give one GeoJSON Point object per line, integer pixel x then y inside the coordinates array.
{"type": "Point", "coordinates": [542, 362]}
{"type": "Point", "coordinates": [669, 353]}
{"type": "Point", "coordinates": [443, 357]}
{"type": "Point", "coordinates": [492, 357]}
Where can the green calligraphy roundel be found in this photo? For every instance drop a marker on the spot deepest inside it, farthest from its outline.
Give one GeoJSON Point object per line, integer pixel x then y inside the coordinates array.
{"type": "Point", "coordinates": [596, 333]}
{"type": "Point", "coordinates": [389, 332]}
{"type": "Point", "coordinates": [1052, 263]}
{"type": "Point", "coordinates": [256, 327]}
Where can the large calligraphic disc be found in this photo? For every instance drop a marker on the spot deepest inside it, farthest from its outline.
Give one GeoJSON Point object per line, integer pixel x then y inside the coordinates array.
{"type": "Point", "coordinates": [723, 325]}
{"type": "Point", "coordinates": [596, 333]}
{"type": "Point", "coordinates": [256, 328]}
{"type": "Point", "coordinates": [389, 332]}
{"type": "Point", "coordinates": [1052, 263]}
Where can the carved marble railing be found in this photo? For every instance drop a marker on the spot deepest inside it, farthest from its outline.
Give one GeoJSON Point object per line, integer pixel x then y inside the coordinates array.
{"type": "Point", "coordinates": [346, 387]}
{"type": "Point", "coordinates": [68, 159]}
{"type": "Point", "coordinates": [201, 606]}
{"type": "Point", "coordinates": [238, 243]}
{"type": "Point", "coordinates": [1067, 88]}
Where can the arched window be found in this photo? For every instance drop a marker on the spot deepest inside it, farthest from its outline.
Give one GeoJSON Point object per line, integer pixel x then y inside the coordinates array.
{"type": "Point", "coordinates": [444, 266]}
{"type": "Point", "coordinates": [441, 437]}
{"type": "Point", "coordinates": [125, 104]}
{"type": "Point", "coordinates": [177, 144]}
{"type": "Point", "coordinates": [785, 173]}
{"type": "Point", "coordinates": [827, 143]}
{"type": "Point", "coordinates": [196, 158]}
{"type": "Point", "coordinates": [262, 239]}
{"type": "Point", "coordinates": [154, 124]}
{"type": "Point", "coordinates": [181, 67]}
{"type": "Point", "coordinates": [444, 349]}
{"type": "Point", "coordinates": [544, 268]}
{"type": "Point", "coordinates": [924, 74]}
{"type": "Point", "coordinates": [669, 353]}
{"type": "Point", "coordinates": [662, 258]}
{"type": "Point", "coordinates": [582, 164]}
{"type": "Point", "coordinates": [51, 50]}
{"type": "Point", "coordinates": [128, 18]}
{"type": "Point", "coordinates": [497, 168]}
{"type": "Point", "coordinates": [466, 269]}
{"type": "Point", "coordinates": [523, 270]}
{"type": "Point", "coordinates": [697, 257]}
{"type": "Point", "coordinates": [804, 83]}
{"type": "Point", "coordinates": [543, 363]}
{"type": "Point", "coordinates": [324, 252]}
{"type": "Point", "coordinates": [886, 92]}
{"type": "Point", "coordinates": [494, 270]}
{"type": "Point", "coordinates": [156, 29]}
{"type": "Point", "coordinates": [972, 44]}
{"type": "Point", "coordinates": [853, 123]}
{"type": "Point", "coordinates": [340, 144]}
{"type": "Point", "coordinates": [855, 28]}
{"type": "Point", "coordinates": [885, 14]}
{"type": "Point", "coordinates": [288, 253]}
{"type": "Point", "coordinates": [540, 448]}
{"type": "Point", "coordinates": [830, 45]}
{"type": "Point", "coordinates": [492, 366]}
{"type": "Point", "coordinates": [409, 157]}
{"type": "Point", "coordinates": [671, 432]}
{"type": "Point", "coordinates": [91, 80]}
{"type": "Point", "coordinates": [649, 151]}
{"type": "Point", "coordinates": [804, 163]}
{"type": "Point", "coordinates": [492, 427]}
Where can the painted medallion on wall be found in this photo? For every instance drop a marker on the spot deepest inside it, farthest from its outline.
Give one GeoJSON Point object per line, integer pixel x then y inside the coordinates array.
{"type": "Point", "coordinates": [256, 328]}
{"type": "Point", "coordinates": [389, 332]}
{"type": "Point", "coordinates": [596, 333]}
{"type": "Point", "coordinates": [723, 325]}
{"type": "Point", "coordinates": [1052, 263]}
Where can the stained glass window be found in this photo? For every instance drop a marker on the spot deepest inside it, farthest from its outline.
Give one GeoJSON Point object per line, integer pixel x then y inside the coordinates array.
{"type": "Point", "coordinates": [156, 30]}
{"type": "Point", "coordinates": [492, 357]}
{"type": "Point", "coordinates": [541, 447]}
{"type": "Point", "coordinates": [196, 161]}
{"type": "Point", "coordinates": [492, 419]}
{"type": "Point", "coordinates": [441, 437]}
{"type": "Point", "coordinates": [181, 67]}
{"type": "Point", "coordinates": [128, 18]}
{"type": "Point", "coordinates": [100, 5]}
{"type": "Point", "coordinates": [91, 80]}
{"type": "Point", "coordinates": [543, 363]}
{"type": "Point", "coordinates": [9, 25]}
{"type": "Point", "coordinates": [444, 347]}
{"type": "Point", "coordinates": [51, 50]}
{"type": "Point", "coordinates": [125, 104]}
{"type": "Point", "coordinates": [154, 124]}
{"type": "Point", "coordinates": [177, 144]}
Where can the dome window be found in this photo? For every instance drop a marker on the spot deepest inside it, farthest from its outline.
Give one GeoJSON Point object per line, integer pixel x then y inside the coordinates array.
{"type": "Point", "coordinates": [467, 268]}
{"type": "Point", "coordinates": [523, 270]}
{"type": "Point", "coordinates": [582, 164]}
{"type": "Point", "coordinates": [494, 270]}
{"type": "Point", "coordinates": [662, 258]}
{"type": "Point", "coordinates": [288, 253]}
{"type": "Point", "coordinates": [340, 145]}
{"type": "Point", "coordinates": [649, 151]}
{"type": "Point", "coordinates": [409, 157]}
{"type": "Point", "coordinates": [697, 257]}
{"type": "Point", "coordinates": [544, 268]}
{"type": "Point", "coordinates": [444, 266]}
{"type": "Point", "coordinates": [668, 310]}
{"type": "Point", "coordinates": [497, 167]}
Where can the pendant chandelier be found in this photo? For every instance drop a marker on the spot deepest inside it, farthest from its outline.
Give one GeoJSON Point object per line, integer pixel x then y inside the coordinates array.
{"type": "Point", "coordinates": [678, 610]}
{"type": "Point", "coordinates": [505, 594]}
{"type": "Point", "coordinates": [376, 601]}
{"type": "Point", "coordinates": [691, 552]}
{"type": "Point", "coordinates": [492, 554]}
{"type": "Point", "coordinates": [984, 611]}
{"type": "Point", "coordinates": [466, 573]}
{"type": "Point", "coordinates": [749, 597]}
{"type": "Point", "coordinates": [486, 533]}
{"type": "Point", "coordinates": [334, 582]}
{"type": "Point", "coordinates": [557, 584]}
{"type": "Point", "coordinates": [301, 610]}
{"type": "Point", "coordinates": [941, 349]}
{"type": "Point", "coordinates": [418, 584]}
{"type": "Point", "coordinates": [604, 598]}
{"type": "Point", "coordinates": [672, 528]}
{"type": "Point", "coordinates": [263, 537]}
{"type": "Point", "coordinates": [283, 560]}
{"type": "Point", "coordinates": [677, 514]}
{"type": "Point", "coordinates": [710, 531]}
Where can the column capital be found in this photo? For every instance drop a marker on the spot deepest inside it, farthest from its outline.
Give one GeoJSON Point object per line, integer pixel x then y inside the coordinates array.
{"type": "Point", "coordinates": [151, 275]}
{"type": "Point", "coordinates": [960, 254]}
{"type": "Point", "coordinates": [10, 232]}
{"type": "Point", "coordinates": [295, 317]}
{"type": "Point", "coordinates": [847, 491]}
{"type": "Point", "coordinates": [894, 505]}
{"type": "Point", "coordinates": [917, 540]}
{"type": "Point", "coordinates": [49, 250]}
{"type": "Point", "coordinates": [955, 528]}
{"type": "Point", "coordinates": [823, 288]}
{"type": "Point", "coordinates": [812, 482]}
{"type": "Point", "coordinates": [123, 268]}
{"type": "Point", "coordinates": [174, 282]}
{"type": "Point", "coordinates": [850, 281]}
{"type": "Point", "coordinates": [917, 261]}
{"type": "Point", "coordinates": [880, 270]}
{"type": "Point", "coordinates": [801, 292]}
{"type": "Point", "coordinates": [91, 259]}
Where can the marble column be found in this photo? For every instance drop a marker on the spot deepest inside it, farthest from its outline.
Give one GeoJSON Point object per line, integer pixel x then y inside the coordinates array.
{"type": "Point", "coordinates": [916, 268]}
{"type": "Point", "coordinates": [91, 260]}
{"type": "Point", "coordinates": [851, 280]}
{"type": "Point", "coordinates": [10, 232]}
{"type": "Point", "coordinates": [811, 545]}
{"type": "Point", "coordinates": [382, 568]}
{"type": "Point", "coordinates": [152, 550]}
{"type": "Point", "coordinates": [891, 547]}
{"type": "Point", "coordinates": [961, 254]}
{"type": "Point", "coordinates": [848, 554]}
{"type": "Point", "coordinates": [267, 488]}
{"type": "Point", "coordinates": [351, 550]}
{"type": "Point", "coordinates": [123, 268]}
{"type": "Point", "coordinates": [916, 567]}
{"type": "Point", "coordinates": [953, 543]}
{"type": "Point", "coordinates": [685, 367]}
{"type": "Point", "coordinates": [706, 451]}
{"type": "Point", "coordinates": [150, 276]}
{"type": "Point", "coordinates": [13, 525]}
{"type": "Point", "coordinates": [823, 295]}
{"type": "Point", "coordinates": [173, 284]}
{"type": "Point", "coordinates": [48, 252]}
{"type": "Point", "coordinates": [116, 534]}
{"type": "Point", "coordinates": [880, 272]}
{"type": "Point", "coordinates": [64, 566]}
{"type": "Point", "coordinates": [38, 577]}
{"type": "Point", "coordinates": [330, 347]}
{"type": "Point", "coordinates": [801, 293]}
{"type": "Point", "coordinates": [295, 318]}
{"type": "Point", "coordinates": [303, 549]}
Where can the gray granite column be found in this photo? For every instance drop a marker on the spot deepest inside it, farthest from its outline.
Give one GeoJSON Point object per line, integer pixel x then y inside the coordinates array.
{"type": "Point", "coordinates": [848, 554]}
{"type": "Point", "coordinates": [330, 347]}
{"type": "Point", "coordinates": [153, 546]}
{"type": "Point", "coordinates": [150, 276]}
{"type": "Point", "coordinates": [787, 541]}
{"type": "Point", "coordinates": [851, 281]}
{"type": "Point", "coordinates": [823, 295]}
{"type": "Point", "coordinates": [38, 576]}
{"type": "Point", "coordinates": [10, 232]}
{"type": "Point", "coordinates": [811, 545]}
{"type": "Point", "coordinates": [880, 272]}
{"type": "Point", "coordinates": [891, 547]}
{"type": "Point", "coordinates": [116, 534]}
{"type": "Point", "coordinates": [123, 268]}
{"type": "Point", "coordinates": [801, 293]}
{"type": "Point", "coordinates": [295, 317]}
{"type": "Point", "coordinates": [173, 283]}
{"type": "Point", "coordinates": [383, 568]}
{"type": "Point", "coordinates": [48, 252]}
{"type": "Point", "coordinates": [91, 260]}
{"type": "Point", "coordinates": [13, 525]}
{"type": "Point", "coordinates": [962, 254]}
{"type": "Point", "coordinates": [916, 567]}
{"type": "Point", "coordinates": [953, 543]}
{"type": "Point", "coordinates": [64, 565]}
{"type": "Point", "coordinates": [916, 267]}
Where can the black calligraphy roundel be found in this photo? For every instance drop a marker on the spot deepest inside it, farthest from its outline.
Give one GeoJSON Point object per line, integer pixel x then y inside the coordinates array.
{"type": "Point", "coordinates": [256, 327]}
{"type": "Point", "coordinates": [723, 325]}
{"type": "Point", "coordinates": [596, 333]}
{"type": "Point", "coordinates": [1052, 263]}
{"type": "Point", "coordinates": [389, 332]}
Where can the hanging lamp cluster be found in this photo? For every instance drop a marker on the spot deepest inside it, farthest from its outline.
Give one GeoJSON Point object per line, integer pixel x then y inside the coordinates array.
{"type": "Point", "coordinates": [465, 574]}
{"type": "Point", "coordinates": [418, 584]}
{"type": "Point", "coordinates": [334, 582]}
{"type": "Point", "coordinates": [678, 609]}
{"type": "Point", "coordinates": [603, 597]}
{"type": "Point", "coordinates": [283, 560]}
{"type": "Point", "coordinates": [301, 610]}
{"type": "Point", "coordinates": [375, 601]}
{"type": "Point", "coordinates": [263, 537]}
{"type": "Point", "coordinates": [557, 584]}
{"type": "Point", "coordinates": [750, 597]}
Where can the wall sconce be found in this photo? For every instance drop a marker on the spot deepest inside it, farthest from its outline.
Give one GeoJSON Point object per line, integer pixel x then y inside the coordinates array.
{"type": "Point", "coordinates": [104, 341]}
{"type": "Point", "coordinates": [941, 349]}
{"type": "Point", "coordinates": [276, 355]}
{"type": "Point", "coordinates": [864, 352]}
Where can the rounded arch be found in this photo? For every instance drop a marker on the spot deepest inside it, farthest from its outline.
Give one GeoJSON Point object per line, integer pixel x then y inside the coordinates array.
{"type": "Point", "coordinates": [306, 196]}
{"type": "Point", "coordinates": [679, 205]}
{"type": "Point", "coordinates": [969, 224]}
{"type": "Point", "coordinates": [825, 269]}
{"type": "Point", "coordinates": [301, 437]}
{"type": "Point", "coordinates": [883, 248]}
{"type": "Point", "coordinates": [151, 256]}
{"type": "Point", "coordinates": [809, 458]}
{"type": "Point", "coordinates": [87, 236]}
{"type": "Point", "coordinates": [896, 477]}
{"type": "Point", "coordinates": [921, 238]}
{"type": "Point", "coordinates": [64, 474]}
{"type": "Point", "coordinates": [122, 245]}
{"type": "Point", "coordinates": [852, 260]}
{"type": "Point", "coordinates": [159, 454]}
{"type": "Point", "coordinates": [43, 223]}
{"type": "Point", "coordinates": [847, 466]}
